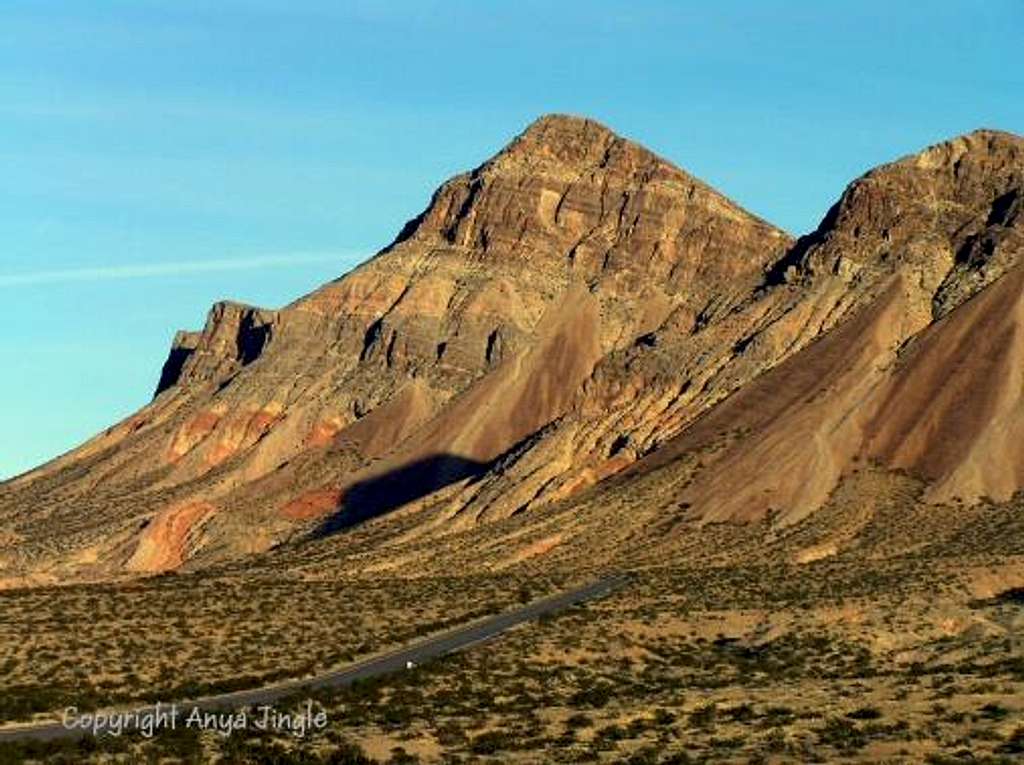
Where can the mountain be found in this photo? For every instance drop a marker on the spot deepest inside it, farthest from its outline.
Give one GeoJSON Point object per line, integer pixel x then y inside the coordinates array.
{"type": "Point", "coordinates": [917, 268]}
{"type": "Point", "coordinates": [564, 322]}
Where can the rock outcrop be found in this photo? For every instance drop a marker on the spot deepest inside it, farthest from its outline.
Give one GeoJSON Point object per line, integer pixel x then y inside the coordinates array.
{"type": "Point", "coordinates": [235, 335]}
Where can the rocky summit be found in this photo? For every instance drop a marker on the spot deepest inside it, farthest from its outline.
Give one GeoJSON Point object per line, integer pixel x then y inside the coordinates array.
{"type": "Point", "coordinates": [573, 327]}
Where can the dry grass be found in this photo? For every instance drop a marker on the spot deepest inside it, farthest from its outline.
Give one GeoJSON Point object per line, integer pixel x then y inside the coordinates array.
{"type": "Point", "coordinates": [693, 666]}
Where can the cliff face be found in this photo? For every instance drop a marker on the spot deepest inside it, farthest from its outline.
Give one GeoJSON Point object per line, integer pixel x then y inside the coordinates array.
{"type": "Point", "coordinates": [234, 336]}
{"type": "Point", "coordinates": [573, 309]}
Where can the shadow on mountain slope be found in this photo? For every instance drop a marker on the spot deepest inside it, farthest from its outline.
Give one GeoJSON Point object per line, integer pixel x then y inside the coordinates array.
{"type": "Point", "coordinates": [384, 493]}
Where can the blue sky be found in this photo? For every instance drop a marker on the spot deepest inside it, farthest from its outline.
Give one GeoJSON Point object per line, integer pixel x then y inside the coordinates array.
{"type": "Point", "coordinates": [159, 156]}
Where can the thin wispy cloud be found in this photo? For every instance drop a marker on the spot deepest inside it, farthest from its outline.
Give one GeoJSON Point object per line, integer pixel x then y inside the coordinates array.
{"type": "Point", "coordinates": [173, 268]}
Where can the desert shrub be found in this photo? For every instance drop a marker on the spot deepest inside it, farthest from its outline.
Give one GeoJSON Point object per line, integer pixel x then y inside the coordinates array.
{"type": "Point", "coordinates": [491, 742]}
{"type": "Point", "coordinates": [704, 716]}
{"type": "Point", "coordinates": [842, 735]}
{"type": "Point", "coordinates": [865, 713]}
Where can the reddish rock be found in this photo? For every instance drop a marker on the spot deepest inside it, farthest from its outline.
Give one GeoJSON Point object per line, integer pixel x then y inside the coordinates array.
{"type": "Point", "coordinates": [313, 504]}
{"type": "Point", "coordinates": [168, 540]}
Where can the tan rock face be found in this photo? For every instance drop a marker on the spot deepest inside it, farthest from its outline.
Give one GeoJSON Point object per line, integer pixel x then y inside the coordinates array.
{"type": "Point", "coordinates": [574, 310]}
{"type": "Point", "coordinates": [950, 216]}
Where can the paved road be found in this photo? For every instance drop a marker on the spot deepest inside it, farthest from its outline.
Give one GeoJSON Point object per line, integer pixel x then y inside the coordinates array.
{"type": "Point", "coordinates": [419, 652]}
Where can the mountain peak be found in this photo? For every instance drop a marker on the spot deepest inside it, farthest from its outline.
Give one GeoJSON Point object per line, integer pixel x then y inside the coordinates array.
{"type": "Point", "coordinates": [969, 172]}
{"type": "Point", "coordinates": [994, 134]}
{"type": "Point", "coordinates": [565, 183]}
{"type": "Point", "coordinates": [982, 146]}
{"type": "Point", "coordinates": [948, 217]}
{"type": "Point", "coordinates": [562, 136]}
{"type": "Point", "coordinates": [568, 145]}
{"type": "Point", "coordinates": [564, 123]}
